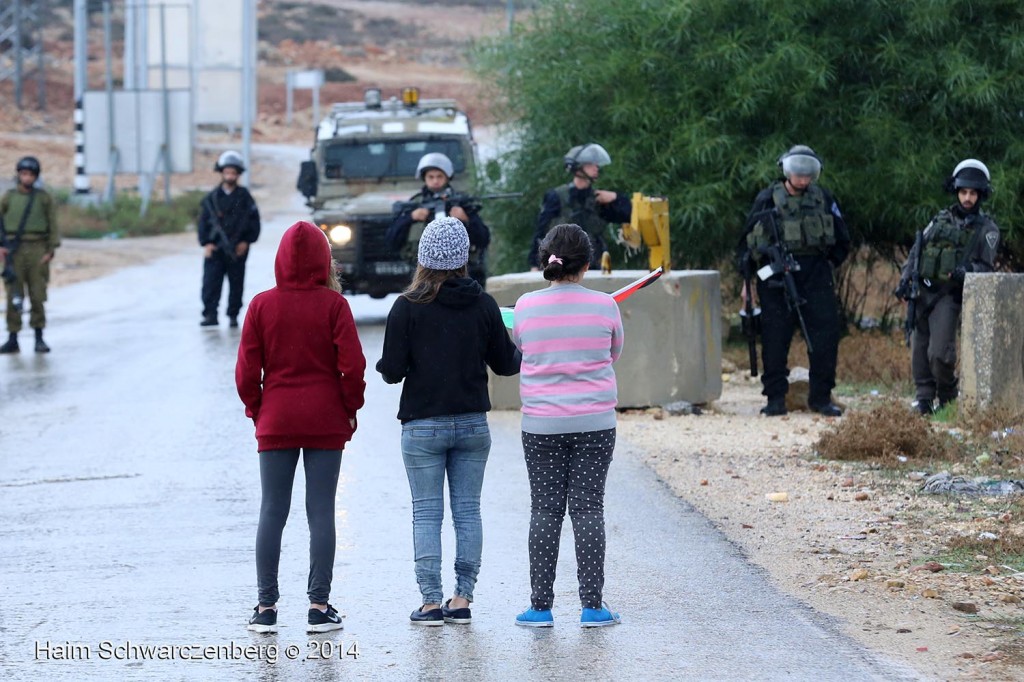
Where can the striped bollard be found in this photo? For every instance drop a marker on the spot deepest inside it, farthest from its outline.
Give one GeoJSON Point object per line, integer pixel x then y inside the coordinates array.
{"type": "Point", "coordinates": [81, 179]}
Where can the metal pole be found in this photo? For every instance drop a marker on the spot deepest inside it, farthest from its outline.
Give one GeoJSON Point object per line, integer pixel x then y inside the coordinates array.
{"type": "Point", "coordinates": [288, 97]}
{"type": "Point", "coordinates": [18, 58]}
{"type": "Point", "coordinates": [510, 11]}
{"type": "Point", "coordinates": [108, 56]}
{"type": "Point", "coordinates": [41, 63]}
{"type": "Point", "coordinates": [167, 105]}
{"type": "Point", "coordinates": [81, 19]}
{"type": "Point", "coordinates": [248, 85]}
{"type": "Point", "coordinates": [316, 105]}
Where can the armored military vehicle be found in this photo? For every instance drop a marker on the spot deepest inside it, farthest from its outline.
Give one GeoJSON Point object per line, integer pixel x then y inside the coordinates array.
{"type": "Point", "coordinates": [363, 161]}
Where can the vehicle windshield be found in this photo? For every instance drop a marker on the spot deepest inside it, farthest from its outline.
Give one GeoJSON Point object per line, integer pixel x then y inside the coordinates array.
{"type": "Point", "coordinates": [387, 159]}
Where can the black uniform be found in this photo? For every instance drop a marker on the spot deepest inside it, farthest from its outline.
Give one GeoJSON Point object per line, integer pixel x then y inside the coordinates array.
{"type": "Point", "coordinates": [954, 243]}
{"type": "Point", "coordinates": [404, 238]}
{"type": "Point", "coordinates": [240, 220]}
{"type": "Point", "coordinates": [569, 204]}
{"type": "Point", "coordinates": [816, 234]}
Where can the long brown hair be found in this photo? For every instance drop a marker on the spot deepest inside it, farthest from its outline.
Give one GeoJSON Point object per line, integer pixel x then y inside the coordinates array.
{"type": "Point", "coordinates": [427, 282]}
{"type": "Point", "coordinates": [333, 283]}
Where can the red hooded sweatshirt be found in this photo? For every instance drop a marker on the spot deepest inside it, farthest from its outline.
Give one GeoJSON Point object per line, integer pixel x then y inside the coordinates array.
{"type": "Point", "coordinates": [300, 365]}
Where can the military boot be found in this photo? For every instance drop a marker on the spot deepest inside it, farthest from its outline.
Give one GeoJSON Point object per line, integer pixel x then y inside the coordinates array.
{"type": "Point", "coordinates": [12, 344]}
{"type": "Point", "coordinates": [776, 407]}
{"type": "Point", "coordinates": [41, 346]}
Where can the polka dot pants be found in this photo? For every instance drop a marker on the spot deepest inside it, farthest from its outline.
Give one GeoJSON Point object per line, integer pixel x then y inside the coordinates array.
{"type": "Point", "coordinates": [567, 469]}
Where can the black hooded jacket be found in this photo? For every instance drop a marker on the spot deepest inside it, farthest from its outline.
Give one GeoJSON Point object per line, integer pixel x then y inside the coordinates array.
{"type": "Point", "coordinates": [442, 350]}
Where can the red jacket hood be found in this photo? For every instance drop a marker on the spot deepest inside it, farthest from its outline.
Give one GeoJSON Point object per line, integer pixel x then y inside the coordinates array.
{"type": "Point", "coordinates": [303, 257]}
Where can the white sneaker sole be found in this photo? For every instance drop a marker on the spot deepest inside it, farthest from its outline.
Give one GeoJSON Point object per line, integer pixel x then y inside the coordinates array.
{"type": "Point", "coordinates": [427, 623]}
{"type": "Point", "coordinates": [324, 627]}
{"type": "Point", "coordinates": [458, 621]}
{"type": "Point", "coordinates": [256, 627]}
{"type": "Point", "coordinates": [539, 624]}
{"type": "Point", "coordinates": [600, 624]}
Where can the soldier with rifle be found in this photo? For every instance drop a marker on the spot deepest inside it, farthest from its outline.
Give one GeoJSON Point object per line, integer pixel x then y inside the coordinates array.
{"type": "Point", "coordinates": [28, 240]}
{"type": "Point", "coordinates": [580, 203]}
{"type": "Point", "coordinates": [793, 240]}
{"type": "Point", "coordinates": [959, 239]}
{"type": "Point", "coordinates": [229, 222]}
{"type": "Point", "coordinates": [439, 199]}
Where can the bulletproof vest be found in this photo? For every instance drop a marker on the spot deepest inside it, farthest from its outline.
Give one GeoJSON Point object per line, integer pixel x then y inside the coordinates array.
{"type": "Point", "coordinates": [805, 222]}
{"type": "Point", "coordinates": [946, 246]}
{"type": "Point", "coordinates": [583, 214]}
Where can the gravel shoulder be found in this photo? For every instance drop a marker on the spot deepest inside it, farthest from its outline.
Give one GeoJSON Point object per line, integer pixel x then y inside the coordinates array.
{"type": "Point", "coordinates": [850, 539]}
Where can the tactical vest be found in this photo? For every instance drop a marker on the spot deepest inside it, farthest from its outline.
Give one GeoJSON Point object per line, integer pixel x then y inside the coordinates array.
{"type": "Point", "coordinates": [806, 224]}
{"type": "Point", "coordinates": [946, 246]}
{"type": "Point", "coordinates": [585, 215]}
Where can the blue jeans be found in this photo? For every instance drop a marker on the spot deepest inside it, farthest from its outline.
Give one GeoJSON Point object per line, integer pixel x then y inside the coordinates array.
{"type": "Point", "coordinates": [457, 444]}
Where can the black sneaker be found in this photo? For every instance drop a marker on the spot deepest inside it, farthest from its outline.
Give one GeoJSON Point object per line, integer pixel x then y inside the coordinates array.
{"type": "Point", "coordinates": [776, 407]}
{"type": "Point", "coordinates": [459, 616]}
{"type": "Point", "coordinates": [11, 346]}
{"type": "Point", "coordinates": [324, 621]}
{"type": "Point", "coordinates": [233, 321]}
{"type": "Point", "coordinates": [265, 621]}
{"type": "Point", "coordinates": [208, 322]}
{"type": "Point", "coordinates": [431, 617]}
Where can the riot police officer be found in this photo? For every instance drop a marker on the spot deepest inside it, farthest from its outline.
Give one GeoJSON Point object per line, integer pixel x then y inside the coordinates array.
{"type": "Point", "coordinates": [28, 240]}
{"type": "Point", "coordinates": [436, 171]}
{"type": "Point", "coordinates": [228, 223]}
{"type": "Point", "coordinates": [959, 239]}
{"type": "Point", "coordinates": [579, 203]}
{"type": "Point", "coordinates": [796, 215]}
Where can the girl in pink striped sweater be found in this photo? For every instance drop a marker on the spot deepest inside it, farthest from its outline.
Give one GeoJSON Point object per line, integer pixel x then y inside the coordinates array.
{"type": "Point", "coordinates": [569, 336]}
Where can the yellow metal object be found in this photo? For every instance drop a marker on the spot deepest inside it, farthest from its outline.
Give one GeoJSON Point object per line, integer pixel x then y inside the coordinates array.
{"type": "Point", "coordinates": [649, 227]}
{"type": "Point", "coordinates": [410, 96]}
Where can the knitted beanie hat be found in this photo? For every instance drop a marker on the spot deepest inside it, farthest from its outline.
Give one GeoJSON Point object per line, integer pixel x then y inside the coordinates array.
{"type": "Point", "coordinates": [444, 245]}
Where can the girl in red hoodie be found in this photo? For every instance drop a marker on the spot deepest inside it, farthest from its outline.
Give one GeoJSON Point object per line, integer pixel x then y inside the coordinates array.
{"type": "Point", "coordinates": [300, 375]}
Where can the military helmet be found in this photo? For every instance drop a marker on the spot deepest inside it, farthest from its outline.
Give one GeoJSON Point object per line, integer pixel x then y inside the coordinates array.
{"type": "Point", "coordinates": [801, 160]}
{"type": "Point", "coordinates": [586, 153]}
{"type": "Point", "coordinates": [435, 160]}
{"type": "Point", "coordinates": [29, 163]}
{"type": "Point", "coordinates": [971, 174]}
{"type": "Point", "coordinates": [230, 159]}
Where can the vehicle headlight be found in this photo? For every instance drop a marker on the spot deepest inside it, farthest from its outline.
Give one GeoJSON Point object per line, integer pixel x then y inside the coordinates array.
{"type": "Point", "coordinates": [340, 234]}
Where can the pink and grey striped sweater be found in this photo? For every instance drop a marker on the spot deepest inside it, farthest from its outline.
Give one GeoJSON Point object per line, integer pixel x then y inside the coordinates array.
{"type": "Point", "coordinates": [569, 336]}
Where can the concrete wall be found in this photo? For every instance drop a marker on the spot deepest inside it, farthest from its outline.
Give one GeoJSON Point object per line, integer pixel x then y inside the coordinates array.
{"type": "Point", "coordinates": [992, 342]}
{"type": "Point", "coordinates": [673, 336]}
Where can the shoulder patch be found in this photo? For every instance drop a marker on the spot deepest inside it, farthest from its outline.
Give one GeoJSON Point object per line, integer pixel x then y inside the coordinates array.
{"type": "Point", "coordinates": [992, 238]}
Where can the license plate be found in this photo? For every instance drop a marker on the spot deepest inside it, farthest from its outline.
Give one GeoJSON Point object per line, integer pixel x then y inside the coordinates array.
{"type": "Point", "coordinates": [392, 268]}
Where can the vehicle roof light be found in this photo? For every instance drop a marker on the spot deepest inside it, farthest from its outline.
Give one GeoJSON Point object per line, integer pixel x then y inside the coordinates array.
{"type": "Point", "coordinates": [371, 97]}
{"type": "Point", "coordinates": [410, 96]}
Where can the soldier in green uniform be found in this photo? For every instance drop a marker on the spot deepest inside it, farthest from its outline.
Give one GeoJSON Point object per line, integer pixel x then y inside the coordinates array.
{"type": "Point", "coordinates": [959, 239]}
{"type": "Point", "coordinates": [30, 238]}
{"type": "Point", "coordinates": [579, 203]}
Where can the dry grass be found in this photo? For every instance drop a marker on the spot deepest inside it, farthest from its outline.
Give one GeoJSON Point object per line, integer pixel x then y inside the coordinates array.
{"type": "Point", "coordinates": [884, 434]}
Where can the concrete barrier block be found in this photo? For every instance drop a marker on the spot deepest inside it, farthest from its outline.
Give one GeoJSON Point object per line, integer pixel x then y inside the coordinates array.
{"type": "Point", "coordinates": [992, 342]}
{"type": "Point", "coordinates": [673, 336]}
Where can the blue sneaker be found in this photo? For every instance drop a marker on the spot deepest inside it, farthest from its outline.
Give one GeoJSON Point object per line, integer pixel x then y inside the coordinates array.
{"type": "Point", "coordinates": [598, 618]}
{"type": "Point", "coordinates": [532, 618]}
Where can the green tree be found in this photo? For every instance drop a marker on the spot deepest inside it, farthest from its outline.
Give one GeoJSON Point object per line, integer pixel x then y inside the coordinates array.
{"type": "Point", "coordinates": [696, 99]}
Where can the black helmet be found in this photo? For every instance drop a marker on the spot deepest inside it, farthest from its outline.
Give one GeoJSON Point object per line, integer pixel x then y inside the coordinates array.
{"type": "Point", "coordinates": [970, 174]}
{"type": "Point", "coordinates": [29, 163]}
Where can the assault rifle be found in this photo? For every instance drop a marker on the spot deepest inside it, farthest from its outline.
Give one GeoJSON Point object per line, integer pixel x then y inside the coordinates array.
{"type": "Point", "coordinates": [782, 262]}
{"type": "Point", "coordinates": [909, 289]}
{"type": "Point", "coordinates": [439, 202]}
{"type": "Point", "coordinates": [5, 242]}
{"type": "Point", "coordinates": [217, 234]}
{"type": "Point", "coordinates": [750, 321]}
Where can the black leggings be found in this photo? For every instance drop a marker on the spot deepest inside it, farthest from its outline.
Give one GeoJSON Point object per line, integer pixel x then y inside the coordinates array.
{"type": "Point", "coordinates": [277, 471]}
{"type": "Point", "coordinates": [567, 468]}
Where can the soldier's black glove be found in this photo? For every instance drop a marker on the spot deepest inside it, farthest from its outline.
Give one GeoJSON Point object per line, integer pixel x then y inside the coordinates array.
{"type": "Point", "coordinates": [902, 292]}
{"type": "Point", "coordinates": [958, 274]}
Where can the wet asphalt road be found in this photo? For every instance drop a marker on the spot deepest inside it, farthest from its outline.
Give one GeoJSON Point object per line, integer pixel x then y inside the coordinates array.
{"type": "Point", "coordinates": [129, 495]}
